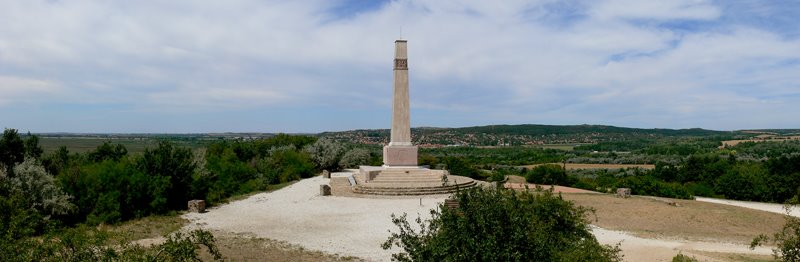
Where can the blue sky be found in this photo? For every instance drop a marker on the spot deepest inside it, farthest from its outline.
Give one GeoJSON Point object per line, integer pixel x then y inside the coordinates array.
{"type": "Point", "coordinates": [312, 66]}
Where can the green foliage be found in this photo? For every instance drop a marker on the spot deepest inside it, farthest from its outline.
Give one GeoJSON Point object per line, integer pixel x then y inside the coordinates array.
{"type": "Point", "coordinates": [173, 164]}
{"type": "Point", "coordinates": [459, 167]}
{"type": "Point", "coordinates": [18, 219]}
{"type": "Point", "coordinates": [285, 164]}
{"type": "Point", "coordinates": [228, 173]}
{"type": "Point", "coordinates": [40, 188]}
{"type": "Point", "coordinates": [683, 258]}
{"type": "Point", "coordinates": [32, 148]}
{"type": "Point", "coordinates": [647, 185]}
{"type": "Point", "coordinates": [549, 175]}
{"type": "Point", "coordinates": [498, 225]}
{"type": "Point", "coordinates": [108, 152]}
{"type": "Point", "coordinates": [491, 156]}
{"type": "Point", "coordinates": [326, 153]}
{"type": "Point", "coordinates": [241, 167]}
{"type": "Point", "coordinates": [113, 191]}
{"type": "Point", "coordinates": [84, 244]}
{"type": "Point", "coordinates": [354, 158]}
{"type": "Point", "coordinates": [12, 150]}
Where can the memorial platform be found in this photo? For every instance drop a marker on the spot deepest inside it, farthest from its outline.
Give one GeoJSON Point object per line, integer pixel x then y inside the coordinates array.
{"type": "Point", "coordinates": [408, 181]}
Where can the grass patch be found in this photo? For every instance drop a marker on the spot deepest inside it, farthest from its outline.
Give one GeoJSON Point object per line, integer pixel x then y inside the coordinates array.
{"type": "Point", "coordinates": [146, 227]}
{"type": "Point", "coordinates": [736, 257]}
{"type": "Point", "coordinates": [238, 247]}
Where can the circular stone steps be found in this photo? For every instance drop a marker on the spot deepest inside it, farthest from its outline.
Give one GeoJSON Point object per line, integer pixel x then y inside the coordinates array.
{"type": "Point", "coordinates": [404, 184]}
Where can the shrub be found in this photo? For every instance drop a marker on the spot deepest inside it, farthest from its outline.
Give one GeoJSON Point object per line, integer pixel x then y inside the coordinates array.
{"type": "Point", "coordinates": [326, 153]}
{"type": "Point", "coordinates": [499, 225]}
{"type": "Point", "coordinates": [173, 164]}
{"type": "Point", "coordinates": [40, 188]}
{"type": "Point", "coordinates": [683, 258]}
{"type": "Point", "coordinates": [548, 175]}
{"type": "Point", "coordinates": [354, 158]}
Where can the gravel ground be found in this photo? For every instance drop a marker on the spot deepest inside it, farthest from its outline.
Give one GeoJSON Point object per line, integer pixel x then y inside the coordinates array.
{"type": "Point", "coordinates": [357, 226]}
{"type": "Point", "coordinates": [298, 215]}
{"type": "Point", "coordinates": [644, 249]}
{"type": "Point", "coordinates": [769, 207]}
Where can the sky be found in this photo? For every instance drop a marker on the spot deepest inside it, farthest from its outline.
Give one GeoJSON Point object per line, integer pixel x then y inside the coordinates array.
{"type": "Point", "coordinates": [199, 66]}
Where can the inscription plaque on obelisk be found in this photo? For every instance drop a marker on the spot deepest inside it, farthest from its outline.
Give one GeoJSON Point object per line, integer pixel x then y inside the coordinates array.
{"type": "Point", "coordinates": [400, 151]}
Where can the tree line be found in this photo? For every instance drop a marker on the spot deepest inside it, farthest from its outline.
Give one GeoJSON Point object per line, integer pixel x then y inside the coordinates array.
{"type": "Point", "coordinates": [50, 196]}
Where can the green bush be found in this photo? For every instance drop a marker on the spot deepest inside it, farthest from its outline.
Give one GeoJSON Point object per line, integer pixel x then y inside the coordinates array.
{"type": "Point", "coordinates": [84, 244]}
{"type": "Point", "coordinates": [499, 225]}
{"type": "Point", "coordinates": [683, 258]}
{"type": "Point", "coordinates": [354, 158]}
{"type": "Point", "coordinates": [549, 175]}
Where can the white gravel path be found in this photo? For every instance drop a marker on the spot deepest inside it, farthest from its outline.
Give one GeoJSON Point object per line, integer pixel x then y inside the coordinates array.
{"type": "Point", "coordinates": [644, 249]}
{"type": "Point", "coordinates": [357, 226]}
{"type": "Point", "coordinates": [298, 215]}
{"type": "Point", "coordinates": [769, 207]}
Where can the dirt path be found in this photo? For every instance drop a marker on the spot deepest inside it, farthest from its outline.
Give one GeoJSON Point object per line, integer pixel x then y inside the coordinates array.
{"type": "Point", "coordinates": [769, 207]}
{"type": "Point", "coordinates": [644, 249]}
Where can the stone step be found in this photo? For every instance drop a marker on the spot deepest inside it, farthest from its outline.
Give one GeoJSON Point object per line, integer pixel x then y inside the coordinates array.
{"type": "Point", "coordinates": [411, 190]}
{"type": "Point", "coordinates": [400, 179]}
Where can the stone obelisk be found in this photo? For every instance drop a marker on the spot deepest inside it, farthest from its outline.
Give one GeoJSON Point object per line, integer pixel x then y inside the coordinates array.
{"type": "Point", "coordinates": [400, 152]}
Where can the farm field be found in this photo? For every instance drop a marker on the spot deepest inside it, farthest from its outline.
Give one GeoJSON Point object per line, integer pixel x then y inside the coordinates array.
{"type": "Point", "coordinates": [86, 144]}
{"type": "Point", "coordinates": [572, 166]}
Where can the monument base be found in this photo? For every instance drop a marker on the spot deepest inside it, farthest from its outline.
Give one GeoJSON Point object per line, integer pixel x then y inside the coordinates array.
{"type": "Point", "coordinates": [400, 156]}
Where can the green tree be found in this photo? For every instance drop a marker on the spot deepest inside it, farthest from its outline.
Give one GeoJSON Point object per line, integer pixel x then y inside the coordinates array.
{"type": "Point", "coordinates": [354, 158]}
{"type": "Point", "coordinates": [460, 167]}
{"type": "Point", "coordinates": [499, 225]}
{"type": "Point", "coordinates": [41, 188]}
{"type": "Point", "coordinates": [176, 164]}
{"type": "Point", "coordinates": [32, 148]}
{"type": "Point", "coordinates": [326, 153]}
{"type": "Point", "coordinates": [548, 175]}
{"type": "Point", "coordinates": [12, 150]}
{"type": "Point", "coordinates": [106, 151]}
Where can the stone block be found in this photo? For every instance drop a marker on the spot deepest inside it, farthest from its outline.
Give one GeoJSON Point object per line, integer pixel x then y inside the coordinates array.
{"type": "Point", "coordinates": [326, 174]}
{"type": "Point", "coordinates": [624, 192]}
{"type": "Point", "coordinates": [324, 190]}
{"type": "Point", "coordinates": [197, 206]}
{"type": "Point", "coordinates": [400, 155]}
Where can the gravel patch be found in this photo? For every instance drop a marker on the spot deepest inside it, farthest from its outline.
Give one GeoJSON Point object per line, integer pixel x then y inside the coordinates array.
{"type": "Point", "coordinates": [298, 215]}
{"type": "Point", "coordinates": [769, 207]}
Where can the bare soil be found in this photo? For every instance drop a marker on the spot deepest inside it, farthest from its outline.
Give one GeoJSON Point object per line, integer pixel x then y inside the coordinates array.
{"type": "Point", "coordinates": [242, 247]}
{"type": "Point", "coordinates": [689, 220]}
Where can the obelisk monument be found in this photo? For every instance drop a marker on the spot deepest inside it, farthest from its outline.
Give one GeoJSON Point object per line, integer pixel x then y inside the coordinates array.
{"type": "Point", "coordinates": [400, 152]}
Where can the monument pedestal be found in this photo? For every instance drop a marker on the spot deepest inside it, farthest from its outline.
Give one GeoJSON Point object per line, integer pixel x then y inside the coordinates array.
{"type": "Point", "coordinates": [394, 155]}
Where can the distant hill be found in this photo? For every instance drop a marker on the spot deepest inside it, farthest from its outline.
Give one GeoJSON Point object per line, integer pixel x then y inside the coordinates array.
{"type": "Point", "coordinates": [506, 135]}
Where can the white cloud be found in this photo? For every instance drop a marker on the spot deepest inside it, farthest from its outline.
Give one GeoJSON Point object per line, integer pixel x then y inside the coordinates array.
{"type": "Point", "coordinates": [25, 90]}
{"type": "Point", "coordinates": [578, 62]}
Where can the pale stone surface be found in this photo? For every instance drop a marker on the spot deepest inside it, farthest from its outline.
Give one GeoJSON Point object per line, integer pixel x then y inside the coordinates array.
{"type": "Point", "coordinates": [398, 152]}
{"type": "Point", "coordinates": [624, 192]}
{"type": "Point", "coordinates": [197, 206]}
{"type": "Point", "coordinates": [324, 190]}
{"type": "Point", "coordinates": [326, 174]}
{"type": "Point", "coordinates": [400, 155]}
{"type": "Point", "coordinates": [401, 125]}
